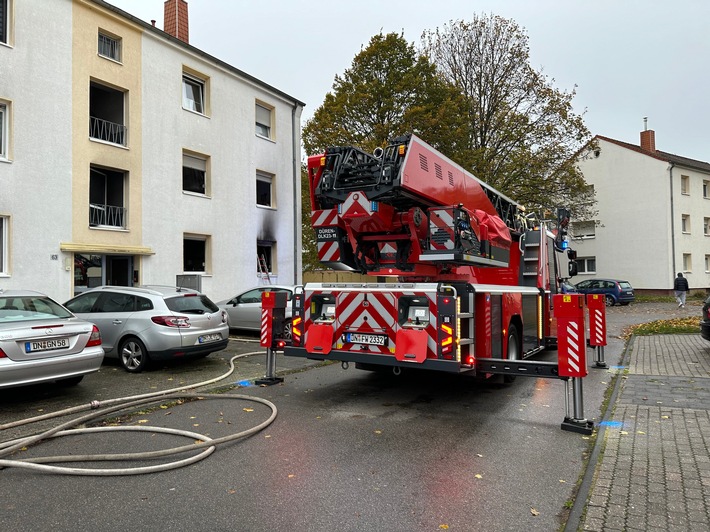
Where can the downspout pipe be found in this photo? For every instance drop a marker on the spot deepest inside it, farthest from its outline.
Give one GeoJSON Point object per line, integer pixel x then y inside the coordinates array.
{"type": "Point", "coordinates": [673, 263]}
{"type": "Point", "coordinates": [296, 150]}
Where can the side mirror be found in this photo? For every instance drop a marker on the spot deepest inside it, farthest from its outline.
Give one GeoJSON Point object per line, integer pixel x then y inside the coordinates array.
{"type": "Point", "coordinates": [572, 269]}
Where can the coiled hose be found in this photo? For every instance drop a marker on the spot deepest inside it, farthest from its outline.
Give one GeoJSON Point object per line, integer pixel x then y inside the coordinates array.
{"type": "Point", "coordinates": [206, 445]}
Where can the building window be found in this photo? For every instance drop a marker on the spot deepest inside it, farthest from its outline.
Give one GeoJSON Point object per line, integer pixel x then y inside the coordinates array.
{"type": "Point", "coordinates": [193, 93]}
{"type": "Point", "coordinates": [106, 198]}
{"type": "Point", "coordinates": [3, 244]}
{"type": "Point", "coordinates": [265, 256]}
{"type": "Point", "coordinates": [587, 265]}
{"type": "Point", "coordinates": [685, 223]}
{"type": "Point", "coordinates": [109, 47]}
{"type": "Point", "coordinates": [264, 118]}
{"type": "Point", "coordinates": [684, 184]}
{"type": "Point", "coordinates": [687, 262]}
{"type": "Point", "coordinates": [707, 263]}
{"type": "Point", "coordinates": [264, 190]}
{"type": "Point", "coordinates": [4, 20]}
{"type": "Point", "coordinates": [583, 230]}
{"type": "Point", "coordinates": [194, 173]}
{"type": "Point", "coordinates": [3, 131]}
{"type": "Point", "coordinates": [706, 226]}
{"type": "Point", "coordinates": [194, 253]}
{"type": "Point", "coordinates": [107, 114]}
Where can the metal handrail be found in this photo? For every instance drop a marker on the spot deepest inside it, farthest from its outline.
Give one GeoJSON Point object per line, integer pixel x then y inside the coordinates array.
{"type": "Point", "coordinates": [108, 131]}
{"type": "Point", "coordinates": [106, 216]}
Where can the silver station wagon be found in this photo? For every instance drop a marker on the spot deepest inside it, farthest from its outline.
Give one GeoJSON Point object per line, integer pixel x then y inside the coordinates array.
{"type": "Point", "coordinates": [149, 323]}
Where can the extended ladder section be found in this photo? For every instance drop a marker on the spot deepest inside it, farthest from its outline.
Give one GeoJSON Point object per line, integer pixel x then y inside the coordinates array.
{"type": "Point", "coordinates": [408, 208]}
{"type": "Point", "coordinates": [263, 268]}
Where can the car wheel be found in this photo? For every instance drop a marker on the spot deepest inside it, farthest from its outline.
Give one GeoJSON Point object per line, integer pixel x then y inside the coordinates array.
{"type": "Point", "coordinates": [133, 355]}
{"type": "Point", "coordinates": [513, 351]}
{"type": "Point", "coordinates": [609, 300]}
{"type": "Point", "coordinates": [288, 326]}
{"type": "Point", "coordinates": [70, 381]}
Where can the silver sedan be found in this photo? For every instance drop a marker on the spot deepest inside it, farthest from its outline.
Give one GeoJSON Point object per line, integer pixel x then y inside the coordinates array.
{"type": "Point", "coordinates": [41, 341]}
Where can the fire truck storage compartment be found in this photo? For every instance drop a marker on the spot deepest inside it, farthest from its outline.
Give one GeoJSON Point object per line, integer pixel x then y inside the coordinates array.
{"type": "Point", "coordinates": [530, 322]}
{"type": "Point", "coordinates": [414, 312]}
{"type": "Point", "coordinates": [488, 324]}
{"type": "Point", "coordinates": [323, 308]}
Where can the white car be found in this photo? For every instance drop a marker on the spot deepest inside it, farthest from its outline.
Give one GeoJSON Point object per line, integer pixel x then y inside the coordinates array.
{"type": "Point", "coordinates": [244, 309]}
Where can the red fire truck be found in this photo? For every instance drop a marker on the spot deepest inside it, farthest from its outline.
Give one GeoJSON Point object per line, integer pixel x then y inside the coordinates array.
{"type": "Point", "coordinates": [467, 275]}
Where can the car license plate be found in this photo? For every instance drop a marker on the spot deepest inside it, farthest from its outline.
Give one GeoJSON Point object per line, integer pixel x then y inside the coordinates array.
{"type": "Point", "coordinates": [362, 338]}
{"type": "Point", "coordinates": [46, 345]}
{"type": "Point", "coordinates": [209, 338]}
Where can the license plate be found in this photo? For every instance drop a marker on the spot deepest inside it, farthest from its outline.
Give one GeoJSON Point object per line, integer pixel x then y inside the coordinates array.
{"type": "Point", "coordinates": [362, 338]}
{"type": "Point", "coordinates": [46, 345]}
{"type": "Point", "coordinates": [209, 338]}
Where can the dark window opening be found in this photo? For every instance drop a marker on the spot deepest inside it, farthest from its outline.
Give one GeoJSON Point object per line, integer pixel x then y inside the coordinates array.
{"type": "Point", "coordinates": [106, 114]}
{"type": "Point", "coordinates": [263, 251]}
{"type": "Point", "coordinates": [193, 254]}
{"type": "Point", "coordinates": [106, 205]}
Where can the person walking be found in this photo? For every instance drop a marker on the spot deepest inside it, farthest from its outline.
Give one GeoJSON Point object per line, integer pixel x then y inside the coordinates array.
{"type": "Point", "coordinates": [680, 286]}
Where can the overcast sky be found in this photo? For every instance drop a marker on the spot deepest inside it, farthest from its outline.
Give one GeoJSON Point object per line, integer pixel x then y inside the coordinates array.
{"type": "Point", "coordinates": [629, 59]}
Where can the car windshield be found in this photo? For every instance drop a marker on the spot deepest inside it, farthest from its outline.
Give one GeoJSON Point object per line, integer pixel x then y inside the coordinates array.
{"type": "Point", "coordinates": [26, 308]}
{"type": "Point", "coordinates": [191, 304]}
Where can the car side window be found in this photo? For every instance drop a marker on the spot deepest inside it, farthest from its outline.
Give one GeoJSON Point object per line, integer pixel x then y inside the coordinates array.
{"type": "Point", "coordinates": [83, 303]}
{"type": "Point", "coordinates": [143, 303]}
{"type": "Point", "coordinates": [111, 302]}
{"type": "Point", "coordinates": [252, 296]}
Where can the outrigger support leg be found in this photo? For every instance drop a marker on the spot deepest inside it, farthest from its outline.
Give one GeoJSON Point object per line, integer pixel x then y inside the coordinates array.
{"type": "Point", "coordinates": [270, 377]}
{"type": "Point", "coordinates": [577, 423]}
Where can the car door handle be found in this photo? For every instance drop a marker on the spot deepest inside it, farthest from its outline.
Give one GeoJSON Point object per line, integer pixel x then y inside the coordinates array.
{"type": "Point", "coordinates": [117, 322]}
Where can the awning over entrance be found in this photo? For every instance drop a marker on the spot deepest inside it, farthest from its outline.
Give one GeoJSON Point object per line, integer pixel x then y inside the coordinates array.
{"type": "Point", "coordinates": [102, 249]}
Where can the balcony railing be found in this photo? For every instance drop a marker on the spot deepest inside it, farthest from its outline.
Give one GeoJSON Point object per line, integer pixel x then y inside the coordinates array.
{"type": "Point", "coordinates": [107, 216]}
{"type": "Point", "coordinates": [107, 131]}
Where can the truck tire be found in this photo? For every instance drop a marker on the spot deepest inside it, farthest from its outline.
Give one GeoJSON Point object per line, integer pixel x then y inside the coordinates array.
{"type": "Point", "coordinates": [513, 351]}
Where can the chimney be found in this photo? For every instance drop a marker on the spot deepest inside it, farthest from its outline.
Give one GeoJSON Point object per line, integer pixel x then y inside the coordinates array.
{"type": "Point", "coordinates": [648, 137]}
{"type": "Point", "coordinates": [175, 19]}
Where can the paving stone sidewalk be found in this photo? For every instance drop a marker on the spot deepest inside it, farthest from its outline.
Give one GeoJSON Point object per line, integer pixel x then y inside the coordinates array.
{"type": "Point", "coordinates": [654, 469]}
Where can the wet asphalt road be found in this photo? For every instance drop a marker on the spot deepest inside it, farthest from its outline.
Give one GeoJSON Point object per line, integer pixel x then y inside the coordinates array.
{"type": "Point", "coordinates": [349, 450]}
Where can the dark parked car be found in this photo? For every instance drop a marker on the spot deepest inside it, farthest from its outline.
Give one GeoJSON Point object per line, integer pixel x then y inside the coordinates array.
{"type": "Point", "coordinates": [567, 288]}
{"type": "Point", "coordinates": [705, 320]}
{"type": "Point", "coordinates": [614, 290]}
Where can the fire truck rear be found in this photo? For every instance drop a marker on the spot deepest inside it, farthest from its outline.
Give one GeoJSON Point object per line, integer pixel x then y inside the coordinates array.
{"type": "Point", "coordinates": [468, 275]}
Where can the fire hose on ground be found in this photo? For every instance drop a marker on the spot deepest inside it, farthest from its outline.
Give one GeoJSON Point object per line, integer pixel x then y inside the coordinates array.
{"type": "Point", "coordinates": [205, 444]}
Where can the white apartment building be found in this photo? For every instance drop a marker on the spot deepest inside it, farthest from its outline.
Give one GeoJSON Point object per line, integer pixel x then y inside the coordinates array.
{"type": "Point", "coordinates": [128, 156]}
{"type": "Point", "coordinates": [653, 220]}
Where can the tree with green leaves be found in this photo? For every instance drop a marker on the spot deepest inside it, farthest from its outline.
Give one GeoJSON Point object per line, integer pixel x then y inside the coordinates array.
{"type": "Point", "coordinates": [522, 134]}
{"type": "Point", "coordinates": [390, 89]}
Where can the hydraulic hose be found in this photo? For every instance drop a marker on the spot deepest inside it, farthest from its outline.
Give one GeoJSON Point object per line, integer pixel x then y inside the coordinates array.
{"type": "Point", "coordinates": [206, 445]}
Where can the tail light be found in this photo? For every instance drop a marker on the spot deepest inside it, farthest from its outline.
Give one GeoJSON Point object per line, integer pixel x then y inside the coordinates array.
{"type": "Point", "coordinates": [95, 338]}
{"type": "Point", "coordinates": [2, 354]}
{"type": "Point", "coordinates": [296, 331]}
{"type": "Point", "coordinates": [180, 322]}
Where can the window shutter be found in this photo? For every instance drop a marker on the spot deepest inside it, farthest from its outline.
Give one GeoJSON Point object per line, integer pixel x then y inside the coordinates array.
{"type": "Point", "coordinates": [263, 115]}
